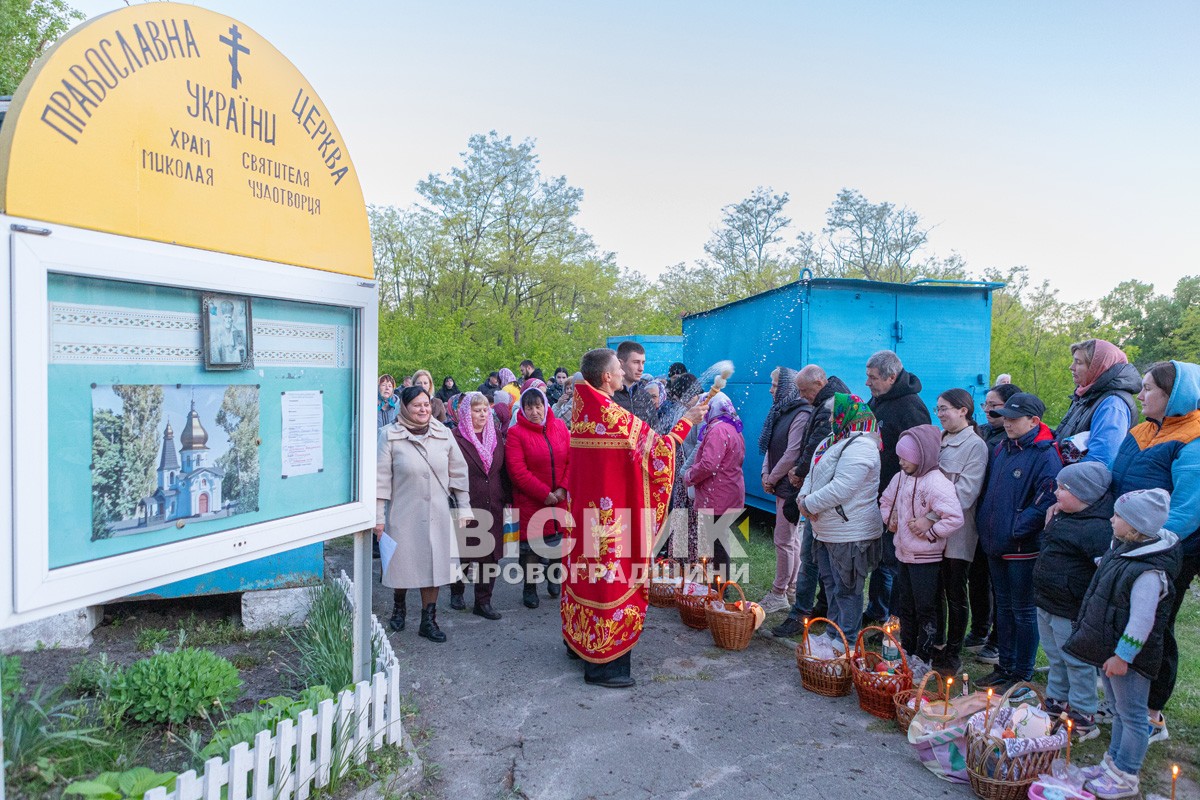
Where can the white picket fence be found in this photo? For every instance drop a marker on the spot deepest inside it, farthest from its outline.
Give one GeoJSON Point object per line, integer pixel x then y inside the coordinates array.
{"type": "Point", "coordinates": [304, 755]}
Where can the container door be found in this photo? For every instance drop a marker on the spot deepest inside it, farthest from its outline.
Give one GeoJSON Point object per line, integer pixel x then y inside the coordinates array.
{"type": "Point", "coordinates": [944, 338]}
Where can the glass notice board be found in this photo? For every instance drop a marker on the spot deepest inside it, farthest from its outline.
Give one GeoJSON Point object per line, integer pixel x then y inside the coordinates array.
{"type": "Point", "coordinates": [148, 446]}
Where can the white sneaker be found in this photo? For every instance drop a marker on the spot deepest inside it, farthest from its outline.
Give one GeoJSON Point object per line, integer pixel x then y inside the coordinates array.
{"type": "Point", "coordinates": [1158, 729]}
{"type": "Point", "coordinates": [1113, 784]}
{"type": "Point", "coordinates": [1096, 770]}
{"type": "Point", "coordinates": [772, 602]}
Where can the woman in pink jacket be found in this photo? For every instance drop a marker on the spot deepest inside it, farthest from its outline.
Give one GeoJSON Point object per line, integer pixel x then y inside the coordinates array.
{"type": "Point", "coordinates": [716, 469]}
{"type": "Point", "coordinates": [919, 506]}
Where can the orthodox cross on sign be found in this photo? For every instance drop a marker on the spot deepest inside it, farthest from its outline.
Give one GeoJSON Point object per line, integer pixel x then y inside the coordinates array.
{"type": "Point", "coordinates": [234, 42]}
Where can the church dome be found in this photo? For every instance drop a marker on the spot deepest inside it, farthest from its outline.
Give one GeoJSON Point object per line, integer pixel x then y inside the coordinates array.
{"type": "Point", "coordinates": [194, 437]}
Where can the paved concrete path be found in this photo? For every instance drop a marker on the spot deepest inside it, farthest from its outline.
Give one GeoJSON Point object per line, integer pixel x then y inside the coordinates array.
{"type": "Point", "coordinates": [511, 717]}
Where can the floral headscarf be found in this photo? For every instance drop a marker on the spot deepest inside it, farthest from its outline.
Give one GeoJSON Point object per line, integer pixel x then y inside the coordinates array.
{"type": "Point", "coordinates": [507, 376]}
{"type": "Point", "coordinates": [719, 408]}
{"type": "Point", "coordinates": [487, 447]}
{"type": "Point", "coordinates": [851, 414]}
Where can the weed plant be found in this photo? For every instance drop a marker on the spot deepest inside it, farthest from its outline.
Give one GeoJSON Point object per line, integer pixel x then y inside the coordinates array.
{"type": "Point", "coordinates": [323, 644]}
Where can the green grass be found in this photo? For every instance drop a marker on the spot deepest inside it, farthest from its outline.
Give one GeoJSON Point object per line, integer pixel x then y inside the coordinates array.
{"type": "Point", "coordinates": [1183, 712]}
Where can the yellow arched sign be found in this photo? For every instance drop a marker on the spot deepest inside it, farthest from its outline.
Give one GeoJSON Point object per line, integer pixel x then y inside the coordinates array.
{"type": "Point", "coordinates": [169, 122]}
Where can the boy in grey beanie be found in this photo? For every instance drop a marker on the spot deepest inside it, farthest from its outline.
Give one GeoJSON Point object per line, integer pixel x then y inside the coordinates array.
{"type": "Point", "coordinates": [1120, 631]}
{"type": "Point", "coordinates": [1077, 534]}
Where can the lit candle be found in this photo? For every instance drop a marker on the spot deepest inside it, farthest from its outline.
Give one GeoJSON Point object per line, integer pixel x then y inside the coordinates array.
{"type": "Point", "coordinates": [1070, 725]}
{"type": "Point", "coordinates": [989, 697]}
{"type": "Point", "coordinates": [949, 685]}
{"type": "Point", "coordinates": [1174, 777]}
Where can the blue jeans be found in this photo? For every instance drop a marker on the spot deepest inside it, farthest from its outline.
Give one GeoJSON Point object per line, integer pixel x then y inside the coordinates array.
{"type": "Point", "coordinates": [1130, 730]}
{"type": "Point", "coordinates": [845, 599]}
{"type": "Point", "coordinates": [1070, 679]}
{"type": "Point", "coordinates": [1016, 615]}
{"type": "Point", "coordinates": [809, 577]}
{"type": "Point", "coordinates": [879, 593]}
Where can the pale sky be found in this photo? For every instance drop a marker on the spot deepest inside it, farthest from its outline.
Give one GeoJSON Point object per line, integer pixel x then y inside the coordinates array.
{"type": "Point", "coordinates": [1062, 136]}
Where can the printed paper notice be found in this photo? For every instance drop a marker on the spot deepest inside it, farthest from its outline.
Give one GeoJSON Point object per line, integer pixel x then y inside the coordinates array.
{"type": "Point", "coordinates": [303, 433]}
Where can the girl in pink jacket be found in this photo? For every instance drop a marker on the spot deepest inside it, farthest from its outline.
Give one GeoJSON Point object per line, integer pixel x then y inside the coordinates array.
{"type": "Point", "coordinates": [919, 506]}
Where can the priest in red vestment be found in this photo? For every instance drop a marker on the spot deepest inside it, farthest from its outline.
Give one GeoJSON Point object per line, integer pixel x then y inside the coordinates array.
{"type": "Point", "coordinates": [618, 487]}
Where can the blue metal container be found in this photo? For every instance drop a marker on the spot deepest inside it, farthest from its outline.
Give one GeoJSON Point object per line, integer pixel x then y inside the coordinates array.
{"type": "Point", "coordinates": [941, 330]}
{"type": "Point", "coordinates": [661, 351]}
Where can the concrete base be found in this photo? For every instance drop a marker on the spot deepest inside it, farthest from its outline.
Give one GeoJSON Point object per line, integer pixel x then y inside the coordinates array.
{"type": "Point", "coordinates": [272, 608]}
{"type": "Point", "coordinates": [71, 629]}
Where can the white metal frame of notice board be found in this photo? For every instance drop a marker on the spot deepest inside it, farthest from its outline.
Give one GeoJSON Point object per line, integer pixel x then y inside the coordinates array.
{"type": "Point", "coordinates": [36, 250]}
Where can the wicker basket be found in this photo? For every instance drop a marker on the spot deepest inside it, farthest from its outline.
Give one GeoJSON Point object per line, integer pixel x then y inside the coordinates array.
{"type": "Point", "coordinates": [662, 594]}
{"type": "Point", "coordinates": [937, 709]}
{"type": "Point", "coordinates": [986, 754]}
{"type": "Point", "coordinates": [824, 676]}
{"type": "Point", "coordinates": [877, 690]}
{"type": "Point", "coordinates": [691, 607]}
{"type": "Point", "coordinates": [731, 629]}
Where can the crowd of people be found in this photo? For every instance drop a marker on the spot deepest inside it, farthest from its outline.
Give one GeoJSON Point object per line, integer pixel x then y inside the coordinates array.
{"type": "Point", "coordinates": [983, 540]}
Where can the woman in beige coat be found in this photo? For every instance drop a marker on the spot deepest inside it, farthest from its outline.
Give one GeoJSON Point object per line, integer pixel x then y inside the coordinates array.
{"type": "Point", "coordinates": [420, 468]}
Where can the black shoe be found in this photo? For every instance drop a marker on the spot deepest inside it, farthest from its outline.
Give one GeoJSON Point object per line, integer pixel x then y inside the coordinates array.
{"type": "Point", "coordinates": [429, 627]}
{"type": "Point", "coordinates": [553, 589]}
{"type": "Point", "coordinates": [529, 596]}
{"type": "Point", "coordinates": [974, 642]}
{"type": "Point", "coordinates": [988, 655]}
{"type": "Point", "coordinates": [399, 611]}
{"type": "Point", "coordinates": [622, 682]}
{"type": "Point", "coordinates": [485, 610]}
{"type": "Point", "coordinates": [947, 663]}
{"type": "Point", "coordinates": [457, 603]}
{"type": "Point", "coordinates": [871, 623]}
{"type": "Point", "coordinates": [571, 654]}
{"type": "Point", "coordinates": [994, 679]}
{"type": "Point", "coordinates": [789, 627]}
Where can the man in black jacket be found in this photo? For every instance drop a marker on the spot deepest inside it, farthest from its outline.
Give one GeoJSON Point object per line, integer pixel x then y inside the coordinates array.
{"type": "Point", "coordinates": [633, 395]}
{"type": "Point", "coordinates": [490, 385]}
{"type": "Point", "coordinates": [818, 390]}
{"type": "Point", "coordinates": [897, 404]}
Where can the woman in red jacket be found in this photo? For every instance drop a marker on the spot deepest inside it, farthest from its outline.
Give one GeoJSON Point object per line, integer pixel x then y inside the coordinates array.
{"type": "Point", "coordinates": [537, 449]}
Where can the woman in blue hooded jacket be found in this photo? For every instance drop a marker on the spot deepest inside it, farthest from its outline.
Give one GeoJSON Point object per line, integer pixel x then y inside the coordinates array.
{"type": "Point", "coordinates": [1164, 453]}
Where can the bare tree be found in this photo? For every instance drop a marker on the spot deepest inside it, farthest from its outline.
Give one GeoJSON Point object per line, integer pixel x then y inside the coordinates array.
{"type": "Point", "coordinates": [745, 250]}
{"type": "Point", "coordinates": [876, 241]}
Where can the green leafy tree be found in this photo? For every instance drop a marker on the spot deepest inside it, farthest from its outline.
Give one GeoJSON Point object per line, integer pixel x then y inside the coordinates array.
{"type": "Point", "coordinates": [1032, 333]}
{"type": "Point", "coordinates": [27, 28]}
{"type": "Point", "coordinates": [491, 267]}
{"type": "Point", "coordinates": [238, 417]}
{"type": "Point", "coordinates": [107, 471]}
{"type": "Point", "coordinates": [140, 443]}
{"type": "Point", "coordinates": [683, 289]}
{"type": "Point", "coordinates": [1148, 326]}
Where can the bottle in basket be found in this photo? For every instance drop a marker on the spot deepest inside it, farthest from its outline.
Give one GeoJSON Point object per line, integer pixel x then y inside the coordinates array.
{"type": "Point", "coordinates": [890, 650]}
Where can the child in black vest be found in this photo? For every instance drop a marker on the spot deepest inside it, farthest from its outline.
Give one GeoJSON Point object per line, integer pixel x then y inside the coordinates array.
{"type": "Point", "coordinates": [1078, 533]}
{"type": "Point", "coordinates": [1120, 631]}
